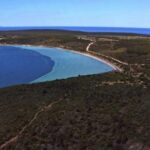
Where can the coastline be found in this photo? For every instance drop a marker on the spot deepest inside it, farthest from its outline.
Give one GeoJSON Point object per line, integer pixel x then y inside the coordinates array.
{"type": "Point", "coordinates": [114, 97]}
{"type": "Point", "coordinates": [87, 54]}
{"type": "Point", "coordinates": [115, 68]}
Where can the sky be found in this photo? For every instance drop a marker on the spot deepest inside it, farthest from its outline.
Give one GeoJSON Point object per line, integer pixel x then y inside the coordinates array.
{"type": "Point", "coordinates": [99, 13]}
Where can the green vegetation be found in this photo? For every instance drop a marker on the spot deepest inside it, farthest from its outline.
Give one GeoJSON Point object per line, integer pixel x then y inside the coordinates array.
{"type": "Point", "coordinates": [135, 51]}
{"type": "Point", "coordinates": [96, 115]}
{"type": "Point", "coordinates": [48, 38]}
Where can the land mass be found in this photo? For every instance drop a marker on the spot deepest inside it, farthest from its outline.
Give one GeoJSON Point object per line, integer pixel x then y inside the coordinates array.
{"type": "Point", "coordinates": [109, 111]}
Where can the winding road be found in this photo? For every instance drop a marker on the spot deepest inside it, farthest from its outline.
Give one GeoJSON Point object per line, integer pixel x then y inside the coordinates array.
{"type": "Point", "coordinates": [88, 47]}
{"type": "Point", "coordinates": [104, 56]}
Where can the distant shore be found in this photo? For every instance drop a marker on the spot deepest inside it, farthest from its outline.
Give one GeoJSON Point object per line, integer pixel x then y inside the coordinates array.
{"type": "Point", "coordinates": [112, 30]}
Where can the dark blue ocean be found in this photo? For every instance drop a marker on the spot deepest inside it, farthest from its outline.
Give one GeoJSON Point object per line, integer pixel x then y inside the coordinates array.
{"type": "Point", "coordinates": [19, 66]}
{"type": "Point", "coordinates": [86, 29]}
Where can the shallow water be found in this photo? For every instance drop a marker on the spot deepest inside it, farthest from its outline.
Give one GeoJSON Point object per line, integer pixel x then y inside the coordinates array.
{"type": "Point", "coordinates": [62, 64]}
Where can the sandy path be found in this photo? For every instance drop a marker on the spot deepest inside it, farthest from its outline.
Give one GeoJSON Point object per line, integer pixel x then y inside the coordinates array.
{"type": "Point", "coordinates": [105, 56]}
{"type": "Point", "coordinates": [14, 139]}
{"type": "Point", "coordinates": [88, 47]}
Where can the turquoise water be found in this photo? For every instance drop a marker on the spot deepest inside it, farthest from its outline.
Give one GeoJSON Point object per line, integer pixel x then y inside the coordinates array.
{"type": "Point", "coordinates": [69, 64]}
{"type": "Point", "coordinates": [66, 64]}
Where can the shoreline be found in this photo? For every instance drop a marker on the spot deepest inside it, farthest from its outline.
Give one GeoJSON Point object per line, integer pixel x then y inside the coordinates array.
{"type": "Point", "coordinates": [114, 67]}
{"type": "Point", "coordinates": [107, 62]}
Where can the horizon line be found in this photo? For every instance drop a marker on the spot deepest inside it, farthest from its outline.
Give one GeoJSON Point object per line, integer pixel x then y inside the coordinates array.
{"type": "Point", "coordinates": [73, 26]}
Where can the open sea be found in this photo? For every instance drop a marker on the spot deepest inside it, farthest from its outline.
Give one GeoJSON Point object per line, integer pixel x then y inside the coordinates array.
{"type": "Point", "coordinates": [145, 31]}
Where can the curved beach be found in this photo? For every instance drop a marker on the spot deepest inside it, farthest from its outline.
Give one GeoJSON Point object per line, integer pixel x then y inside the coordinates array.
{"type": "Point", "coordinates": [114, 67]}
{"type": "Point", "coordinates": [86, 53]}
{"type": "Point", "coordinates": [70, 63]}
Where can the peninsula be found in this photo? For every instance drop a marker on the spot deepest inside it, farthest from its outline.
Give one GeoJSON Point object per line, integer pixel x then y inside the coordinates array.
{"type": "Point", "coordinates": [109, 111]}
